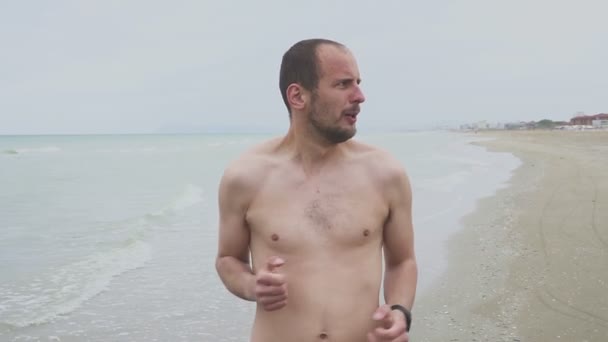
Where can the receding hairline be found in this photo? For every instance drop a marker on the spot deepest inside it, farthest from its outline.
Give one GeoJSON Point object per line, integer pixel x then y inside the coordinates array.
{"type": "Point", "coordinates": [321, 64]}
{"type": "Point", "coordinates": [325, 45]}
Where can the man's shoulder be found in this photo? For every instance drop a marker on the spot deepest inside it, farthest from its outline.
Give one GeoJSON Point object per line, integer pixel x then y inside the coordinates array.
{"type": "Point", "coordinates": [377, 158]}
{"type": "Point", "coordinates": [387, 171]}
{"type": "Point", "coordinates": [381, 166]}
{"type": "Point", "coordinates": [250, 166]}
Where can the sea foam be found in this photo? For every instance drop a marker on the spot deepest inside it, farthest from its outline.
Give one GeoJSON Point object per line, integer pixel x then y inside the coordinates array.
{"type": "Point", "coordinates": [63, 290]}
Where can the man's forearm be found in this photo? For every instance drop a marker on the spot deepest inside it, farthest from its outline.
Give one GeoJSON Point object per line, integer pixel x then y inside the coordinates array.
{"type": "Point", "coordinates": [237, 276]}
{"type": "Point", "coordinates": [400, 283]}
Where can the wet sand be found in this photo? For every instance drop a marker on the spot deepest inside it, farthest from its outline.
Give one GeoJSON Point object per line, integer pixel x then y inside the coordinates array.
{"type": "Point", "coordinates": [531, 263]}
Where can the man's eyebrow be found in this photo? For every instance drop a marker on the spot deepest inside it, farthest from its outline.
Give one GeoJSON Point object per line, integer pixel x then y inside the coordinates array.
{"type": "Point", "coordinates": [349, 80]}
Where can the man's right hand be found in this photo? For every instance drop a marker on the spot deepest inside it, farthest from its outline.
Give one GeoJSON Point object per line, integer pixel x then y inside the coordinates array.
{"type": "Point", "coordinates": [271, 286]}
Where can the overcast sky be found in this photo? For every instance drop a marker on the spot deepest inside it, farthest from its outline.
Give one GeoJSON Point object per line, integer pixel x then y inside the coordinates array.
{"type": "Point", "coordinates": [151, 66]}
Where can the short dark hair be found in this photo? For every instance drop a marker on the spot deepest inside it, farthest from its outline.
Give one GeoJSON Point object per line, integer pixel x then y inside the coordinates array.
{"type": "Point", "coordinates": [301, 65]}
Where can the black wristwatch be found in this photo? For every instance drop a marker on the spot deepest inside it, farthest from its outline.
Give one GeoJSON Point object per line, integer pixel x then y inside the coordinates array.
{"type": "Point", "coordinates": [406, 312]}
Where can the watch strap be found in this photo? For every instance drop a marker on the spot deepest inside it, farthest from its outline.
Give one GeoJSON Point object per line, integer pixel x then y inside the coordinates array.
{"type": "Point", "coordinates": [406, 313]}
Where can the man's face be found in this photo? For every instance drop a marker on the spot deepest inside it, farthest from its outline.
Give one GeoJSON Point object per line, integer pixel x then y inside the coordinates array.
{"type": "Point", "coordinates": [334, 105]}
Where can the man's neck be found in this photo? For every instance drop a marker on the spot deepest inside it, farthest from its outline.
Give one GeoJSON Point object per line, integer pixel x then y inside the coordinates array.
{"type": "Point", "coordinates": [312, 152]}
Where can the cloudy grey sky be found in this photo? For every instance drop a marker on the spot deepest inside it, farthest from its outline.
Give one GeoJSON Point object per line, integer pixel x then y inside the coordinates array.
{"type": "Point", "coordinates": [159, 66]}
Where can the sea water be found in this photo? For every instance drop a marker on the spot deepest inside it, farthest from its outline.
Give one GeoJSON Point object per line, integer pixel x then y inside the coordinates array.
{"type": "Point", "coordinates": [113, 237]}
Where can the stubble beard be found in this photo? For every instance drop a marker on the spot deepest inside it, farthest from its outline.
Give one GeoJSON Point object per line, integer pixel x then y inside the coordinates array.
{"type": "Point", "coordinates": [328, 131]}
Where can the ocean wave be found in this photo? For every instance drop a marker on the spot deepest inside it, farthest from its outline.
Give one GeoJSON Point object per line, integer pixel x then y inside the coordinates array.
{"type": "Point", "coordinates": [451, 207]}
{"type": "Point", "coordinates": [461, 160]}
{"type": "Point", "coordinates": [24, 150]}
{"type": "Point", "coordinates": [140, 226]}
{"type": "Point", "coordinates": [235, 142]}
{"type": "Point", "coordinates": [58, 292]}
{"type": "Point", "coordinates": [141, 150]}
{"type": "Point", "coordinates": [446, 183]}
{"type": "Point", "coordinates": [144, 149]}
{"type": "Point", "coordinates": [48, 297]}
{"type": "Point", "coordinates": [190, 196]}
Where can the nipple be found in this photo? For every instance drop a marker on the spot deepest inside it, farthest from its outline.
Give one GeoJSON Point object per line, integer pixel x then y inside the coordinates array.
{"type": "Point", "coordinates": [274, 237]}
{"type": "Point", "coordinates": [366, 232]}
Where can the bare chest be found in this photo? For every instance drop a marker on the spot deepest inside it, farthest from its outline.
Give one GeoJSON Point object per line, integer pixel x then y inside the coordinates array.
{"type": "Point", "coordinates": [337, 211]}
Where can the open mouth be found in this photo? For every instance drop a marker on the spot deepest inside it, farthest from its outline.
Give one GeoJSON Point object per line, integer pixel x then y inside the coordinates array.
{"type": "Point", "coordinates": [352, 113]}
{"type": "Point", "coordinates": [351, 117]}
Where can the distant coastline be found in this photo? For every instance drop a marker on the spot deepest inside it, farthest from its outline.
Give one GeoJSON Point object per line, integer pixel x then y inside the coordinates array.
{"type": "Point", "coordinates": [578, 123]}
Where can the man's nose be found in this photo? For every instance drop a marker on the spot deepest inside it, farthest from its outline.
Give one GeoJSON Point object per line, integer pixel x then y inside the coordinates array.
{"type": "Point", "coordinates": [358, 96]}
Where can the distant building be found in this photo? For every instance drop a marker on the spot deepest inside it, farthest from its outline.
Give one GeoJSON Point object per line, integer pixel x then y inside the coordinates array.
{"type": "Point", "coordinates": [600, 123]}
{"type": "Point", "coordinates": [521, 125]}
{"type": "Point", "coordinates": [587, 120]}
{"type": "Point", "coordinates": [481, 125]}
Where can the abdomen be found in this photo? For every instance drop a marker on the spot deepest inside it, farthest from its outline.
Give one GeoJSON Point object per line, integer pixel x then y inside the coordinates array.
{"type": "Point", "coordinates": [332, 297]}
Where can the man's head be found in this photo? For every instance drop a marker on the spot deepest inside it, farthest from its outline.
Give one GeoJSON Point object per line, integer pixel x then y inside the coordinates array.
{"type": "Point", "coordinates": [319, 81]}
{"type": "Point", "coordinates": [300, 65]}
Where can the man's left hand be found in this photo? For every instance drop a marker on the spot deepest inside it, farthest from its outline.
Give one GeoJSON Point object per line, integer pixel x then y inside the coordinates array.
{"type": "Point", "coordinates": [391, 326]}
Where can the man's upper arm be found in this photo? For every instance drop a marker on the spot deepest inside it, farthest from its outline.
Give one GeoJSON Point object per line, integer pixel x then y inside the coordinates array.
{"type": "Point", "coordinates": [233, 199]}
{"type": "Point", "coordinates": [398, 230]}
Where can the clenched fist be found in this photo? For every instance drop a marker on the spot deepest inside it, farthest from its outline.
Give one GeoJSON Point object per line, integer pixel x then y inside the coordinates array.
{"type": "Point", "coordinates": [271, 286]}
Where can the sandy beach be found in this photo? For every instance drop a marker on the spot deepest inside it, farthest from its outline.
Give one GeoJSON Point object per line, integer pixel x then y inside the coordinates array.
{"type": "Point", "coordinates": [531, 263]}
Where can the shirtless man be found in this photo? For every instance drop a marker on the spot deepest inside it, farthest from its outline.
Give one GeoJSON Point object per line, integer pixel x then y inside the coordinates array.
{"type": "Point", "coordinates": [316, 211]}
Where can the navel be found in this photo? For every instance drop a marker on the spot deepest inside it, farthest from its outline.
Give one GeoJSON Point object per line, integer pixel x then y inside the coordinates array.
{"type": "Point", "coordinates": [323, 336]}
{"type": "Point", "coordinates": [366, 232]}
{"type": "Point", "coordinates": [274, 237]}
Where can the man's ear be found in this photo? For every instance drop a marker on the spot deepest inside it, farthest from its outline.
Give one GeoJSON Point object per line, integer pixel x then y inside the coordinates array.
{"type": "Point", "coordinates": [297, 96]}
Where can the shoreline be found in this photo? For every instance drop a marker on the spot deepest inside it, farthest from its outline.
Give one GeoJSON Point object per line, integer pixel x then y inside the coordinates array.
{"type": "Point", "coordinates": [524, 267]}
